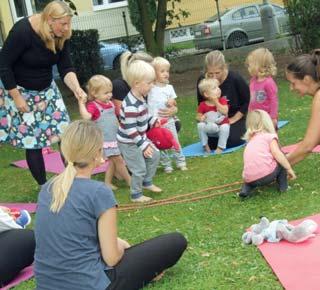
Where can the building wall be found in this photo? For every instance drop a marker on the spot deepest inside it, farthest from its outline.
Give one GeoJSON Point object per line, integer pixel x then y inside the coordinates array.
{"type": "Point", "coordinates": [5, 17]}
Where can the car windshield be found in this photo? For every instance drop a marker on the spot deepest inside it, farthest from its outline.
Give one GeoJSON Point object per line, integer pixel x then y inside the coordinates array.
{"type": "Point", "coordinates": [215, 17]}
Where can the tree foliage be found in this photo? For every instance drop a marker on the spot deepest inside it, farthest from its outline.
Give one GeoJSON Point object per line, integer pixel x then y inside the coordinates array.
{"type": "Point", "coordinates": [151, 17]}
{"type": "Point", "coordinates": [304, 18]}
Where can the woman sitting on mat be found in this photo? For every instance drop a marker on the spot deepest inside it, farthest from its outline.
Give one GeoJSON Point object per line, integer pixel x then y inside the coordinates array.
{"type": "Point", "coordinates": [76, 227]}
{"type": "Point", "coordinates": [304, 77]}
{"type": "Point", "coordinates": [16, 252]}
{"type": "Point", "coordinates": [233, 88]}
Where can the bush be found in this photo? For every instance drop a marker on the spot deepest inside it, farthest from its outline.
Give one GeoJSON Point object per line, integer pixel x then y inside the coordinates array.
{"type": "Point", "coordinates": [304, 17]}
{"type": "Point", "coordinates": [85, 53]}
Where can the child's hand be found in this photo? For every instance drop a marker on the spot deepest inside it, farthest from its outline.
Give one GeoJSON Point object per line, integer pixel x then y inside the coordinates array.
{"type": "Point", "coordinates": [147, 153]}
{"type": "Point", "coordinates": [203, 118]}
{"type": "Point", "coordinates": [291, 174]}
{"type": "Point", "coordinates": [170, 103]}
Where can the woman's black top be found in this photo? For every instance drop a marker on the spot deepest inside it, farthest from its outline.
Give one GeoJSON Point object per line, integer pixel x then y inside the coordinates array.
{"type": "Point", "coordinates": [27, 62]}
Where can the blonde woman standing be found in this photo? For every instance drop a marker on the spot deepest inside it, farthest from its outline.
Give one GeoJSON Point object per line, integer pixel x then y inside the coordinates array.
{"type": "Point", "coordinates": [77, 246]}
{"type": "Point", "coordinates": [32, 111]}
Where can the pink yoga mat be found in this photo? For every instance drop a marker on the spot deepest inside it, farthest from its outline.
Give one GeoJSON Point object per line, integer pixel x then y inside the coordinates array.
{"type": "Point", "coordinates": [30, 207]}
{"type": "Point", "coordinates": [54, 164]}
{"type": "Point", "coordinates": [24, 275]}
{"type": "Point", "coordinates": [297, 266]}
{"type": "Point", "coordinates": [291, 148]}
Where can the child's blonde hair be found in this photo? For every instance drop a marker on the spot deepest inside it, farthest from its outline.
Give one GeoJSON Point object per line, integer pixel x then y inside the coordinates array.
{"type": "Point", "coordinates": [56, 10]}
{"type": "Point", "coordinates": [261, 63]}
{"type": "Point", "coordinates": [160, 61]}
{"type": "Point", "coordinates": [258, 121]}
{"type": "Point", "coordinates": [207, 84]}
{"type": "Point", "coordinates": [138, 71]}
{"type": "Point", "coordinates": [95, 84]}
{"type": "Point", "coordinates": [128, 57]}
{"type": "Point", "coordinates": [81, 144]}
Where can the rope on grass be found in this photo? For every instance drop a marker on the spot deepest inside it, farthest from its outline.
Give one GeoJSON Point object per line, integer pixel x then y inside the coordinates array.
{"type": "Point", "coordinates": [184, 197]}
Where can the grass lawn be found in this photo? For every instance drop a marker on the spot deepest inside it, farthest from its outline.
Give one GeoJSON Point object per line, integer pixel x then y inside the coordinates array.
{"type": "Point", "coordinates": [216, 258]}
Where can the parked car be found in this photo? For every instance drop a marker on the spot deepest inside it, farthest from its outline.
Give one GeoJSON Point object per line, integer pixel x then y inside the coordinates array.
{"type": "Point", "coordinates": [240, 25]}
{"type": "Point", "coordinates": [110, 54]}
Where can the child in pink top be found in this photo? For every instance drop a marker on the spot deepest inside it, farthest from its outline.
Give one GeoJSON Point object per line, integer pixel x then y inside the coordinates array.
{"type": "Point", "coordinates": [263, 89]}
{"type": "Point", "coordinates": [263, 159]}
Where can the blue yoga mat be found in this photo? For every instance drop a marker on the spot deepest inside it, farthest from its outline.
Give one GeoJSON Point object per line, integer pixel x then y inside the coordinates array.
{"type": "Point", "coordinates": [196, 149]}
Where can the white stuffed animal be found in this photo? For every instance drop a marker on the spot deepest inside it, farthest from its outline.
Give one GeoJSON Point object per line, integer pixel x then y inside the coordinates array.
{"type": "Point", "coordinates": [278, 230]}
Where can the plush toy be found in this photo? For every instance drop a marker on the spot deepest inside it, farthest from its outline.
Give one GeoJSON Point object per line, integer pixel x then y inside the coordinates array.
{"type": "Point", "coordinates": [278, 230]}
{"type": "Point", "coordinates": [162, 138]}
{"type": "Point", "coordinates": [214, 117]}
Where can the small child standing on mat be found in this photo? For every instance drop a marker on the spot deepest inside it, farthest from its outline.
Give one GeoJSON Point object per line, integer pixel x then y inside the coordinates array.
{"type": "Point", "coordinates": [264, 162]}
{"type": "Point", "coordinates": [101, 110]}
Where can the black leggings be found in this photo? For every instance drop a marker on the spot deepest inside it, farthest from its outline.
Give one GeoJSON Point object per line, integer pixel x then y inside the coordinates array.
{"type": "Point", "coordinates": [36, 165]}
{"type": "Point", "coordinates": [237, 131]}
{"type": "Point", "coordinates": [143, 262]}
{"type": "Point", "coordinates": [16, 252]}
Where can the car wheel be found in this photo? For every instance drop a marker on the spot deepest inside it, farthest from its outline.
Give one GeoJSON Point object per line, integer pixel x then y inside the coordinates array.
{"type": "Point", "coordinates": [237, 39]}
{"type": "Point", "coordinates": [116, 62]}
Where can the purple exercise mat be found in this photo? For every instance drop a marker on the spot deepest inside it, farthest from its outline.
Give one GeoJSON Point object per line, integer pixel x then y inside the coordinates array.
{"type": "Point", "coordinates": [54, 164]}
{"type": "Point", "coordinates": [24, 275]}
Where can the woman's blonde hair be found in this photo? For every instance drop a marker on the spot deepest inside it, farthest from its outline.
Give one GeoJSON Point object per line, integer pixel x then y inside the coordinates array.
{"type": "Point", "coordinates": [56, 10]}
{"type": "Point", "coordinates": [207, 84]}
{"type": "Point", "coordinates": [138, 71]}
{"type": "Point", "coordinates": [128, 57]}
{"type": "Point", "coordinates": [96, 83]}
{"type": "Point", "coordinates": [215, 58]}
{"type": "Point", "coordinates": [261, 63]}
{"type": "Point", "coordinates": [81, 144]}
{"type": "Point", "coordinates": [258, 121]}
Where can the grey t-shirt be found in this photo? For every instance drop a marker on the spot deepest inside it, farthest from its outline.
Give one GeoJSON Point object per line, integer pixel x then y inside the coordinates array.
{"type": "Point", "coordinates": [67, 252]}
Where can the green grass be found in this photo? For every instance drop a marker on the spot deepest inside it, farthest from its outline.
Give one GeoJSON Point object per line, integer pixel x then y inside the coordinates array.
{"type": "Point", "coordinates": [182, 45]}
{"type": "Point", "coordinates": [216, 258]}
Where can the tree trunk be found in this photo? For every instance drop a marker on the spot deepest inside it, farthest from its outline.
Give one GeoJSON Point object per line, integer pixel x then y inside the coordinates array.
{"type": "Point", "coordinates": [147, 31]}
{"type": "Point", "coordinates": [161, 25]}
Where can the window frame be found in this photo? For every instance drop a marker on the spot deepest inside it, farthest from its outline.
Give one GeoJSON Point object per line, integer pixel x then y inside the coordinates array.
{"type": "Point", "coordinates": [105, 6]}
{"type": "Point", "coordinates": [14, 10]}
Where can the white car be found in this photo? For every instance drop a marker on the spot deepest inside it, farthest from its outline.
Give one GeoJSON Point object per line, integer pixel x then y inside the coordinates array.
{"type": "Point", "coordinates": [240, 25]}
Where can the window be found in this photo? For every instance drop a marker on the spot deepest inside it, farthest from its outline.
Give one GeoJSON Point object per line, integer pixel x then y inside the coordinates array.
{"type": "Point", "coordinates": [38, 5]}
{"type": "Point", "coordinates": [250, 11]}
{"type": "Point", "coordinates": [20, 8]}
{"type": "Point", "coordinates": [237, 15]}
{"type": "Point", "coordinates": [106, 4]}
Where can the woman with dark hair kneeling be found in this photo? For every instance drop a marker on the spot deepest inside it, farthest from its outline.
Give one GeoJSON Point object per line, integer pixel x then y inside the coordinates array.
{"type": "Point", "coordinates": [76, 227]}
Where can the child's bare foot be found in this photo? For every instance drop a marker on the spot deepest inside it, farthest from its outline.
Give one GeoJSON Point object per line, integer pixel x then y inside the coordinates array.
{"type": "Point", "coordinates": [152, 188]}
{"type": "Point", "coordinates": [142, 199]}
{"type": "Point", "coordinates": [207, 148]}
{"type": "Point", "coordinates": [218, 150]}
{"type": "Point", "coordinates": [112, 186]}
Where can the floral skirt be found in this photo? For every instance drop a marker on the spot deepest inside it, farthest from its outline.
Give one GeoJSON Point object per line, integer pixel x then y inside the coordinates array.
{"type": "Point", "coordinates": [38, 128]}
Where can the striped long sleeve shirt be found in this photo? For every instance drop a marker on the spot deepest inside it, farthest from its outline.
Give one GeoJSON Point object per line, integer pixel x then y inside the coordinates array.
{"type": "Point", "coordinates": [134, 121]}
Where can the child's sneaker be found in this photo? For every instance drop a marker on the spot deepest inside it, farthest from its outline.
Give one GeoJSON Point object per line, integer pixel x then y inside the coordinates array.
{"type": "Point", "coordinates": [24, 219]}
{"type": "Point", "coordinates": [153, 188]}
{"type": "Point", "coordinates": [168, 170]}
{"type": "Point", "coordinates": [142, 199]}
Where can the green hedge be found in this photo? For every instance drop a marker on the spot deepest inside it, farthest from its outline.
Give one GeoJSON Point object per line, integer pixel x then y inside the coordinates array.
{"type": "Point", "coordinates": [304, 18]}
{"type": "Point", "coordinates": [85, 55]}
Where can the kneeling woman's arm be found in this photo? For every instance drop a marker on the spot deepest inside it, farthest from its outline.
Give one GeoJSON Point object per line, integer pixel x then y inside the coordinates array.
{"type": "Point", "coordinates": [112, 248]}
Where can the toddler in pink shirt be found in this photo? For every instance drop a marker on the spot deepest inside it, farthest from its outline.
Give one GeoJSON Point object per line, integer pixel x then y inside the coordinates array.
{"type": "Point", "coordinates": [263, 159]}
{"type": "Point", "coordinates": [263, 89]}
